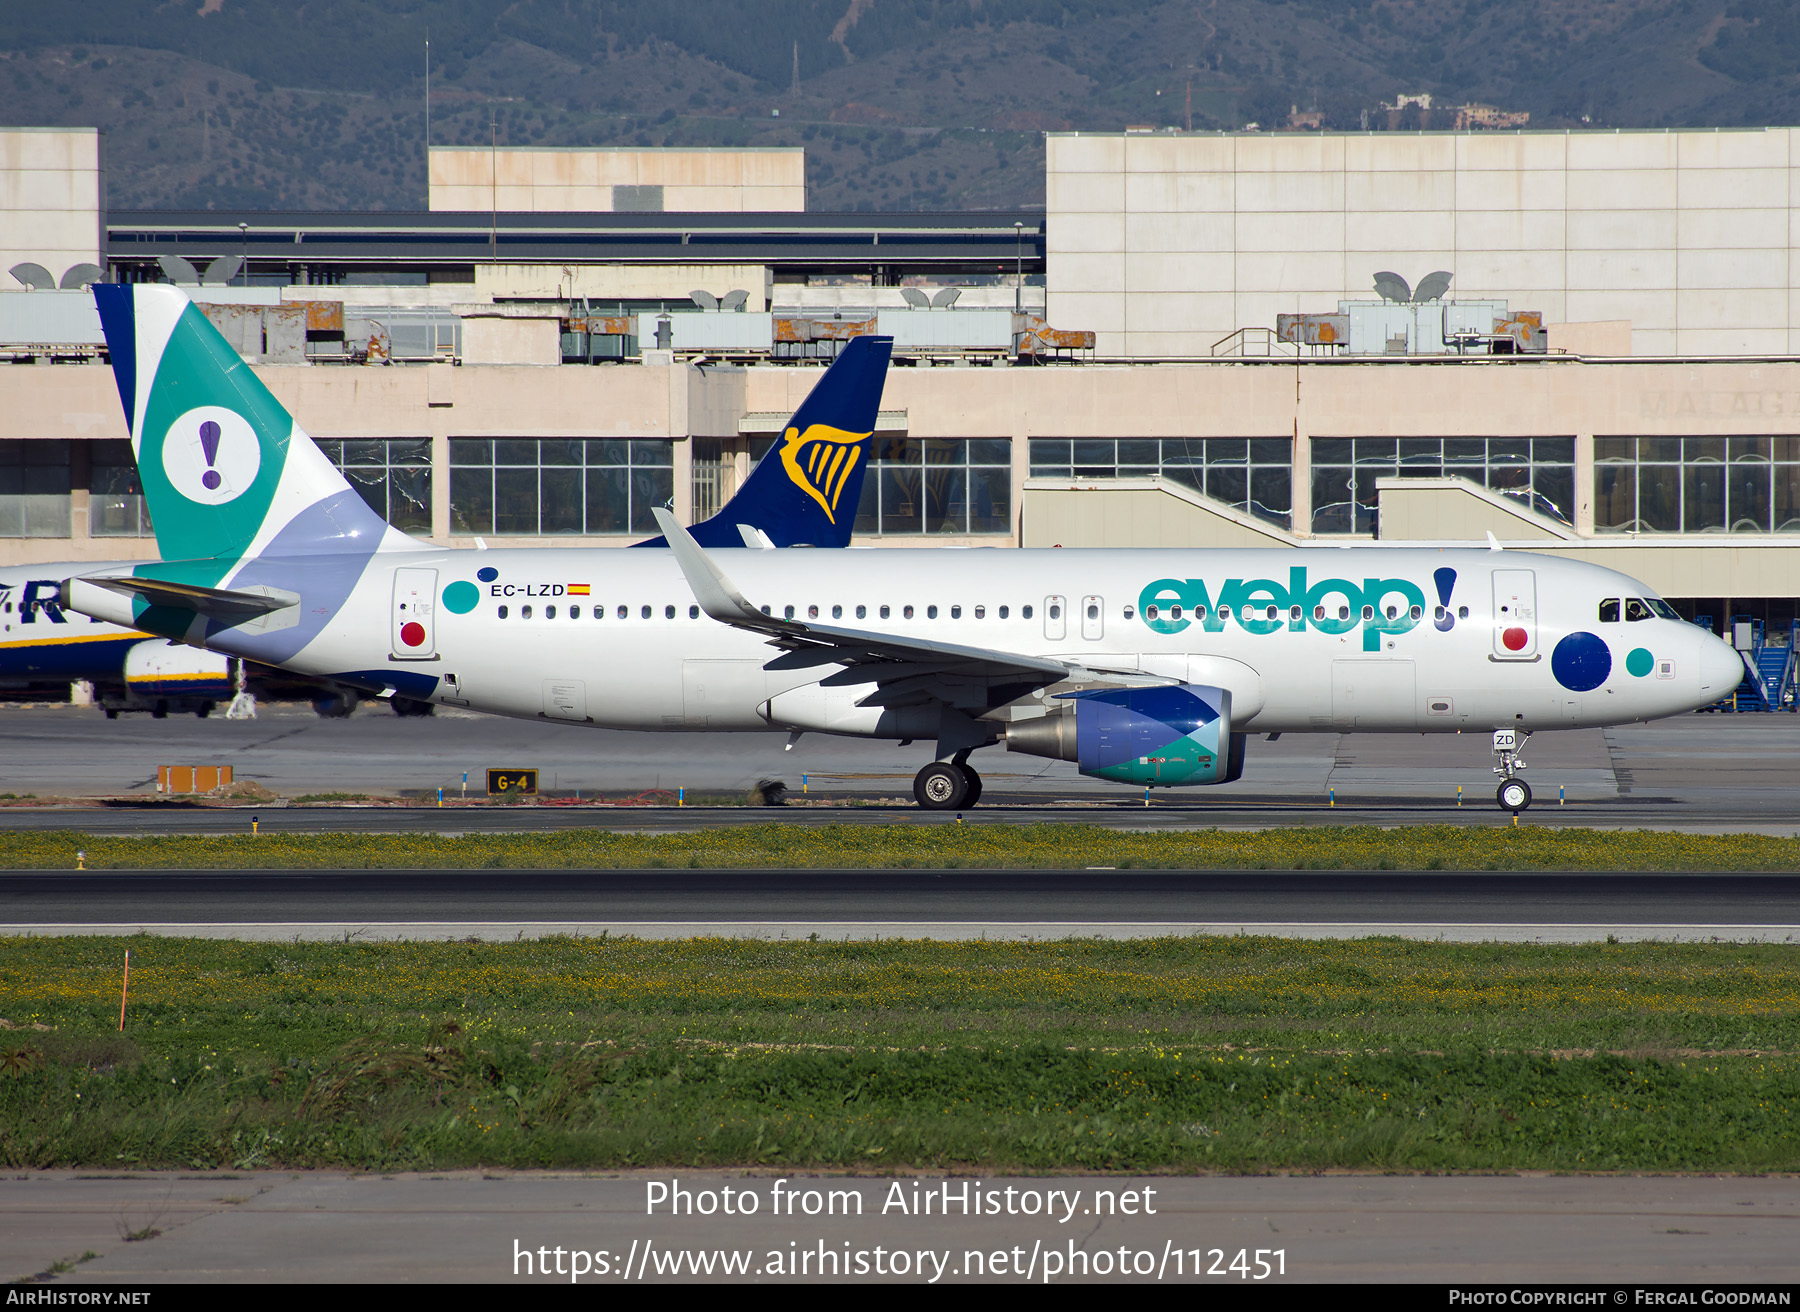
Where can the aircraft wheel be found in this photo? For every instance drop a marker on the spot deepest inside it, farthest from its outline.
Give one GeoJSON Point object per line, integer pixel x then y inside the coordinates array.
{"type": "Point", "coordinates": [112, 712]}
{"type": "Point", "coordinates": [160, 712]}
{"type": "Point", "coordinates": [973, 795]}
{"type": "Point", "coordinates": [333, 705]}
{"type": "Point", "coordinates": [1513, 795]}
{"type": "Point", "coordinates": [941, 786]}
{"type": "Point", "coordinates": [205, 709]}
{"type": "Point", "coordinates": [405, 707]}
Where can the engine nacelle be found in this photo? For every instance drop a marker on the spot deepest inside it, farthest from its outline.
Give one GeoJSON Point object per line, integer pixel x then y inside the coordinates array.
{"type": "Point", "coordinates": [158, 669]}
{"type": "Point", "coordinates": [1158, 737]}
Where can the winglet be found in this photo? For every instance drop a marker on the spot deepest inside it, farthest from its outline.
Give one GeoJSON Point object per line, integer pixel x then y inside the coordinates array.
{"type": "Point", "coordinates": [717, 595]}
{"type": "Point", "coordinates": [1494, 542]}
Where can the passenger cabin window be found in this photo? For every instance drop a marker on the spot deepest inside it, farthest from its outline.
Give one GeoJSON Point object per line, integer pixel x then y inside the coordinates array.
{"type": "Point", "coordinates": [644, 612]}
{"type": "Point", "coordinates": [931, 612]}
{"type": "Point", "coordinates": [524, 612]}
{"type": "Point", "coordinates": [1003, 613]}
{"type": "Point", "coordinates": [886, 611]}
{"type": "Point", "coordinates": [503, 612]}
{"type": "Point", "coordinates": [812, 612]}
{"type": "Point", "coordinates": [549, 612]}
{"type": "Point", "coordinates": [1462, 612]}
{"type": "Point", "coordinates": [623, 612]}
{"type": "Point", "coordinates": [1024, 613]}
{"type": "Point", "coordinates": [906, 612]}
{"type": "Point", "coordinates": [862, 612]}
{"type": "Point", "coordinates": [693, 612]}
{"type": "Point", "coordinates": [574, 612]}
{"type": "Point", "coordinates": [956, 612]}
{"type": "Point", "coordinates": [1636, 609]}
{"type": "Point", "coordinates": [1609, 611]}
{"type": "Point", "coordinates": [837, 612]}
{"type": "Point", "coordinates": [981, 612]}
{"type": "Point", "coordinates": [668, 612]}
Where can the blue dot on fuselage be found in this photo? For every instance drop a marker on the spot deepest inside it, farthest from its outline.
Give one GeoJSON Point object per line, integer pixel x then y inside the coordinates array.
{"type": "Point", "coordinates": [487, 573]}
{"type": "Point", "coordinates": [1581, 662]}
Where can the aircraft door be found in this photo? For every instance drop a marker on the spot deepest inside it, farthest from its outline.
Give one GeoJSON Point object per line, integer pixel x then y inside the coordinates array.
{"type": "Point", "coordinates": [1056, 623]}
{"type": "Point", "coordinates": [415, 611]}
{"type": "Point", "coordinates": [1515, 614]}
{"type": "Point", "coordinates": [1093, 618]}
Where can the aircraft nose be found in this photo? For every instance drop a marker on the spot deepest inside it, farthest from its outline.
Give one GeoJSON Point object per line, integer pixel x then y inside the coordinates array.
{"type": "Point", "coordinates": [1721, 667]}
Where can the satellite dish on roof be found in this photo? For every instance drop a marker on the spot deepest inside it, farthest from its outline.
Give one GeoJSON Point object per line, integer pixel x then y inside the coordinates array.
{"type": "Point", "coordinates": [82, 275]}
{"type": "Point", "coordinates": [1431, 287]}
{"type": "Point", "coordinates": [946, 298]}
{"type": "Point", "coordinates": [177, 270]}
{"type": "Point", "coordinates": [1392, 287]}
{"type": "Point", "coordinates": [734, 301]}
{"type": "Point", "coordinates": [34, 276]}
{"type": "Point", "coordinates": [705, 300]}
{"type": "Point", "coordinates": [222, 270]}
{"type": "Point", "coordinates": [915, 298]}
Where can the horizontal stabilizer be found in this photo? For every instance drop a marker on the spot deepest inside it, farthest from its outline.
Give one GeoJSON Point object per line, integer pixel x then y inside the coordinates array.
{"type": "Point", "coordinates": [214, 603]}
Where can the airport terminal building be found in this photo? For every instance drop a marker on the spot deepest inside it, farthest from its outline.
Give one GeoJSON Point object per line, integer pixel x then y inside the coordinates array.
{"type": "Point", "coordinates": [1583, 343]}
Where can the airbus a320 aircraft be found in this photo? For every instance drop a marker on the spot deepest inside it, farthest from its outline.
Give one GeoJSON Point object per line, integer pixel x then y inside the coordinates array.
{"type": "Point", "coordinates": [1146, 667]}
{"type": "Point", "coordinates": [133, 671]}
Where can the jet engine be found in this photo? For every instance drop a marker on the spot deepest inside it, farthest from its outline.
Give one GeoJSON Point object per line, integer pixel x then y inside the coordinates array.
{"type": "Point", "coordinates": [1159, 737]}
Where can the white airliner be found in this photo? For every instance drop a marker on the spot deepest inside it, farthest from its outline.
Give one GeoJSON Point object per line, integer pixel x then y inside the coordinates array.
{"type": "Point", "coordinates": [1146, 667]}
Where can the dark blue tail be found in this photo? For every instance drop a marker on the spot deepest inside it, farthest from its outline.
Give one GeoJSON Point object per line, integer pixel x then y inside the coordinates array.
{"type": "Point", "coordinates": [804, 492]}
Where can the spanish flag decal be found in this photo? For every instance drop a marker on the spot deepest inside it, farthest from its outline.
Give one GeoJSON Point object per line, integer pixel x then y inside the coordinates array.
{"type": "Point", "coordinates": [578, 589]}
{"type": "Point", "coordinates": [819, 462]}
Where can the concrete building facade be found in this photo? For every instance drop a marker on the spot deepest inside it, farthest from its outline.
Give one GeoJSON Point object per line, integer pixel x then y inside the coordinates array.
{"type": "Point", "coordinates": [1165, 244]}
{"type": "Point", "coordinates": [541, 180]}
{"type": "Point", "coordinates": [52, 198]}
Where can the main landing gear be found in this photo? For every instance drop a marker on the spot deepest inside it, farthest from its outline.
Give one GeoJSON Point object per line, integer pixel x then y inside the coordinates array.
{"type": "Point", "coordinates": [1514, 794]}
{"type": "Point", "coordinates": [947, 785]}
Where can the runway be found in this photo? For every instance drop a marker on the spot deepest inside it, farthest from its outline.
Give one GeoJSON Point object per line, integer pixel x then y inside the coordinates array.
{"type": "Point", "coordinates": [1549, 907]}
{"type": "Point", "coordinates": [1699, 773]}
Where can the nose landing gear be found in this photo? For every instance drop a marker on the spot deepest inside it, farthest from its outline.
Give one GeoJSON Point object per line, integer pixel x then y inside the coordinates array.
{"type": "Point", "coordinates": [1514, 794]}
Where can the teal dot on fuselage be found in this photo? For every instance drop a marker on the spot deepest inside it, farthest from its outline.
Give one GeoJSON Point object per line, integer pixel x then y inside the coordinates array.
{"type": "Point", "coordinates": [1639, 663]}
{"type": "Point", "coordinates": [461, 597]}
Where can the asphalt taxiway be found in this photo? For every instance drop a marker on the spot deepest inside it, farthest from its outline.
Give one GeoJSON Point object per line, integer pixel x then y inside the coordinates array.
{"type": "Point", "coordinates": [426, 904]}
{"type": "Point", "coordinates": [1698, 772]}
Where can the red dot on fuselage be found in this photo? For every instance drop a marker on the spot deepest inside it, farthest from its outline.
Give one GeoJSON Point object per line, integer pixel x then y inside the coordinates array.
{"type": "Point", "coordinates": [1515, 639]}
{"type": "Point", "coordinates": [412, 633]}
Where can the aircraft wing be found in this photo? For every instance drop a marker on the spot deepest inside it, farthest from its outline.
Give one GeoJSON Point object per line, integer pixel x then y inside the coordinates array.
{"type": "Point", "coordinates": [917, 662]}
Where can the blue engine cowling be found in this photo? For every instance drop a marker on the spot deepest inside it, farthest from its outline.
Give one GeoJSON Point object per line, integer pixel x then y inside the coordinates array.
{"type": "Point", "coordinates": [1159, 737]}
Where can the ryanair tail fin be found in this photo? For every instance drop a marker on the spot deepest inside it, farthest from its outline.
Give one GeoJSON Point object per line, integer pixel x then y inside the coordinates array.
{"type": "Point", "coordinates": [228, 475]}
{"type": "Point", "coordinates": [804, 492]}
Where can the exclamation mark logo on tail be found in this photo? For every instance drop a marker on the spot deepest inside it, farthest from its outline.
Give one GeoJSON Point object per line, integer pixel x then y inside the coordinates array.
{"type": "Point", "coordinates": [1446, 581]}
{"type": "Point", "coordinates": [211, 455]}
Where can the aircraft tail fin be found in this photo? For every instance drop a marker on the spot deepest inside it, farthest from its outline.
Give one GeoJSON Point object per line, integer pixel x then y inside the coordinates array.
{"type": "Point", "coordinates": [226, 471]}
{"type": "Point", "coordinates": [805, 491]}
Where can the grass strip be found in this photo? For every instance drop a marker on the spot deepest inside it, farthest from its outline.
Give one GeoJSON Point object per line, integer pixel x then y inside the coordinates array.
{"type": "Point", "coordinates": [941, 845]}
{"type": "Point", "coordinates": [1233, 1053]}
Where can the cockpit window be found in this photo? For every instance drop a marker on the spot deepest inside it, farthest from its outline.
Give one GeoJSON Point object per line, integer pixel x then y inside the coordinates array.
{"type": "Point", "coordinates": [1636, 609]}
{"type": "Point", "coordinates": [1609, 611]}
{"type": "Point", "coordinates": [1662, 609]}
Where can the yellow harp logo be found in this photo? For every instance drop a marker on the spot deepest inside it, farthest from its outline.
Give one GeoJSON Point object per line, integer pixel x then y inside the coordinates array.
{"type": "Point", "coordinates": [819, 462]}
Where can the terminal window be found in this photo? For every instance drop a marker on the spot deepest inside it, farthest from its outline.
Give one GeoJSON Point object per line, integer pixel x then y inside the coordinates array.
{"type": "Point", "coordinates": [116, 506]}
{"type": "Point", "coordinates": [532, 486]}
{"type": "Point", "coordinates": [1697, 484]}
{"type": "Point", "coordinates": [1252, 474]}
{"type": "Point", "coordinates": [392, 474]}
{"type": "Point", "coordinates": [937, 485]}
{"type": "Point", "coordinates": [1537, 472]}
{"type": "Point", "coordinates": [34, 488]}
